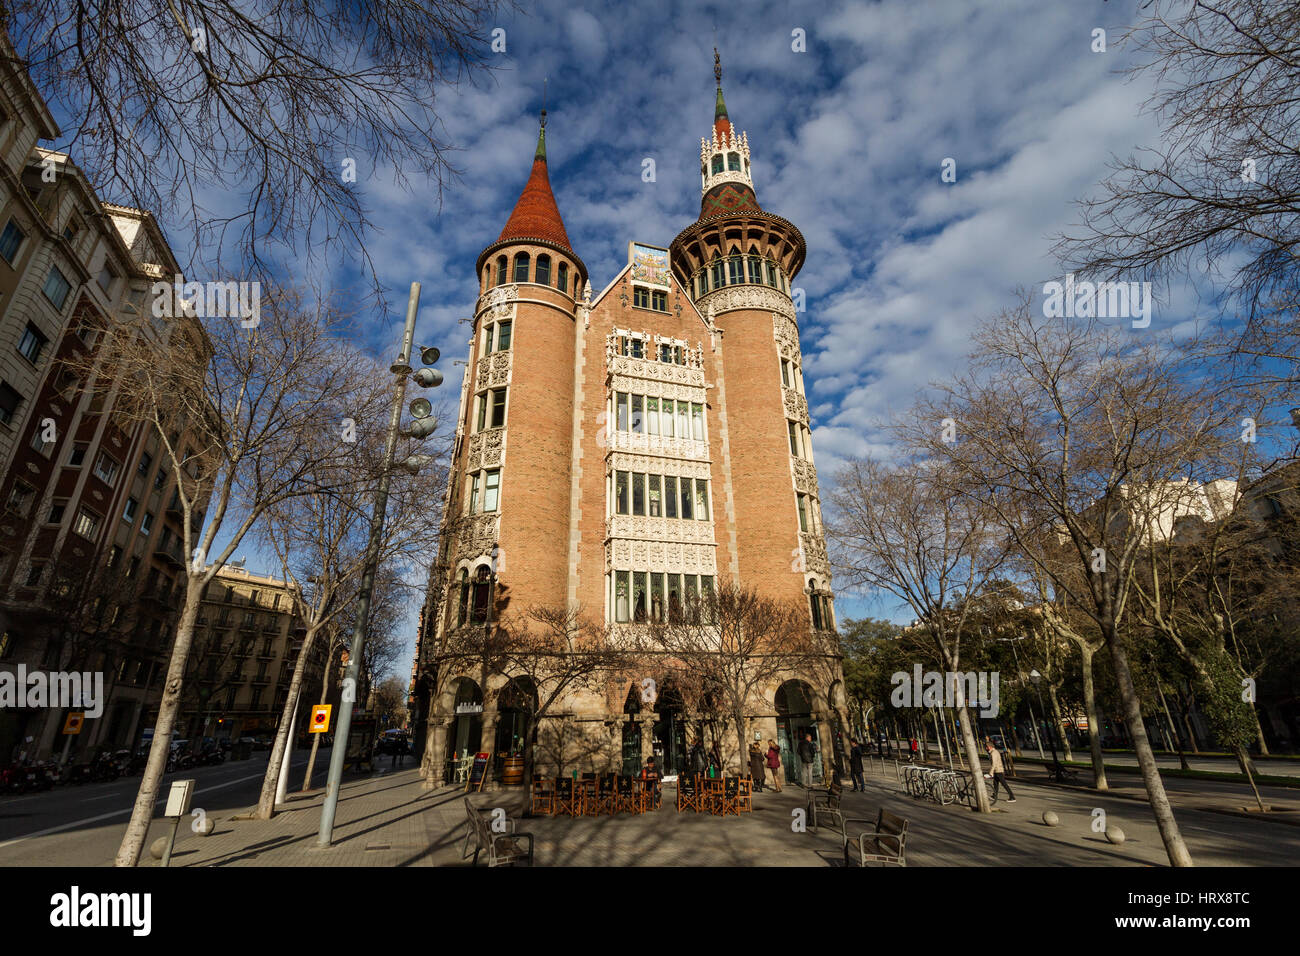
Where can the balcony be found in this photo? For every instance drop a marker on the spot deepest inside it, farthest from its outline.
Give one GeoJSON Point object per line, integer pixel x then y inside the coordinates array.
{"type": "Point", "coordinates": [170, 554]}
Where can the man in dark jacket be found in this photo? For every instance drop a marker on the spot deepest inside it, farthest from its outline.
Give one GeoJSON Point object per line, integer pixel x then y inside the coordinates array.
{"type": "Point", "coordinates": [806, 756]}
{"type": "Point", "coordinates": [699, 761]}
{"type": "Point", "coordinates": [855, 767]}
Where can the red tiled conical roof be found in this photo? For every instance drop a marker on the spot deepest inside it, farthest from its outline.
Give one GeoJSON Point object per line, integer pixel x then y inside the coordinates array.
{"type": "Point", "coordinates": [536, 216]}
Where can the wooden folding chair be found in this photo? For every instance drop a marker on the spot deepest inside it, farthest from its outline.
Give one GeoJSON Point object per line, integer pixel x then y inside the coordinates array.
{"type": "Point", "coordinates": [689, 795]}
{"type": "Point", "coordinates": [605, 801]}
{"type": "Point", "coordinates": [713, 795]}
{"type": "Point", "coordinates": [568, 798]}
{"type": "Point", "coordinates": [626, 798]}
{"type": "Point", "coordinates": [588, 787]}
{"type": "Point", "coordinates": [728, 797]}
{"type": "Point", "coordinates": [651, 794]}
{"type": "Point", "coordinates": [745, 796]}
{"type": "Point", "coordinates": [543, 797]}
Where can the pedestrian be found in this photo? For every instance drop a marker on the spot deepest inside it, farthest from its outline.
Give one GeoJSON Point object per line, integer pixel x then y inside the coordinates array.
{"type": "Point", "coordinates": [774, 764]}
{"type": "Point", "coordinates": [855, 767]}
{"type": "Point", "coordinates": [756, 766]}
{"type": "Point", "coordinates": [997, 772]}
{"type": "Point", "coordinates": [806, 755]}
{"type": "Point", "coordinates": [914, 747]}
{"type": "Point", "coordinates": [699, 762]}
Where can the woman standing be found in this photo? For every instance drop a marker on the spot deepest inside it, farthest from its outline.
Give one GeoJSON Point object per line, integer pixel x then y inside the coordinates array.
{"type": "Point", "coordinates": [774, 764]}
{"type": "Point", "coordinates": [756, 766]}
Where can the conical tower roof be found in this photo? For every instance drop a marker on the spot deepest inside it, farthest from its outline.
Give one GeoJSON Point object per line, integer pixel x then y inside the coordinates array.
{"type": "Point", "coordinates": [536, 216]}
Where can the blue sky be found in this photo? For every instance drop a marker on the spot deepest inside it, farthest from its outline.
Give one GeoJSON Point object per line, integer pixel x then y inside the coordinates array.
{"type": "Point", "coordinates": [847, 141]}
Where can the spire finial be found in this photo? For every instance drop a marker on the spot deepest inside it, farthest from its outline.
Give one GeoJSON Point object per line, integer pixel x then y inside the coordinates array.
{"type": "Point", "coordinates": [544, 79]}
{"type": "Point", "coordinates": [717, 67]}
{"type": "Point", "coordinates": [541, 131]}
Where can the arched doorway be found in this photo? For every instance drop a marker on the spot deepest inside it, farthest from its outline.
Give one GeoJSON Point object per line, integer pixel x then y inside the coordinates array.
{"type": "Point", "coordinates": [632, 733]}
{"type": "Point", "coordinates": [794, 719]}
{"type": "Point", "coordinates": [465, 734]}
{"type": "Point", "coordinates": [670, 730]}
{"type": "Point", "coordinates": [515, 702]}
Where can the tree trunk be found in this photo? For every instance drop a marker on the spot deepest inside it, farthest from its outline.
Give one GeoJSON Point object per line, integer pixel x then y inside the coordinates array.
{"type": "Point", "coordinates": [137, 829]}
{"type": "Point", "coordinates": [282, 746]}
{"type": "Point", "coordinates": [1163, 812]}
{"type": "Point", "coordinates": [1259, 731]}
{"type": "Point", "coordinates": [1182, 758]}
{"type": "Point", "coordinates": [315, 743]}
{"type": "Point", "coordinates": [973, 758]}
{"type": "Point", "coordinates": [1244, 759]}
{"type": "Point", "coordinates": [1058, 723]}
{"type": "Point", "coordinates": [1086, 652]}
{"type": "Point", "coordinates": [1185, 708]}
{"type": "Point", "coordinates": [530, 730]}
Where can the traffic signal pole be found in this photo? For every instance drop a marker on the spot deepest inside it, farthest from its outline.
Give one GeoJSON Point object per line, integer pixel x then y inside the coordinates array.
{"type": "Point", "coordinates": [338, 753]}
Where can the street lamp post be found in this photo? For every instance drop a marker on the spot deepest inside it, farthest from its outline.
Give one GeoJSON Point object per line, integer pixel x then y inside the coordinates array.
{"type": "Point", "coordinates": [401, 369]}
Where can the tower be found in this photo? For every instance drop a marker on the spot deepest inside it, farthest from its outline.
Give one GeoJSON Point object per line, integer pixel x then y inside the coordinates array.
{"type": "Point", "coordinates": [738, 262]}
{"type": "Point", "coordinates": [508, 491]}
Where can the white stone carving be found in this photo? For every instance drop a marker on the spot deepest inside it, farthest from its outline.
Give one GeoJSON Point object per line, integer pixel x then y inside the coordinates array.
{"type": "Point", "coordinates": [493, 370]}
{"type": "Point", "coordinates": [738, 142]}
{"type": "Point", "coordinates": [622, 554]}
{"type": "Point", "coordinates": [659, 529]}
{"type": "Point", "coordinates": [796, 406]}
{"type": "Point", "coordinates": [786, 333]}
{"type": "Point", "coordinates": [805, 476]}
{"type": "Point", "coordinates": [814, 553]}
{"type": "Point", "coordinates": [475, 536]}
{"type": "Point", "coordinates": [758, 298]}
{"type": "Point", "coordinates": [486, 449]}
{"type": "Point", "coordinates": [668, 465]}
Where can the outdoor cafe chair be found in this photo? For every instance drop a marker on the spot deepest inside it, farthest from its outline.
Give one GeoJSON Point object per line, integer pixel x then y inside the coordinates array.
{"type": "Point", "coordinates": [605, 795]}
{"type": "Point", "coordinates": [589, 799]}
{"type": "Point", "coordinates": [713, 795]}
{"type": "Point", "coordinates": [689, 794]}
{"type": "Point", "coordinates": [745, 796]}
{"type": "Point", "coordinates": [626, 798]}
{"type": "Point", "coordinates": [543, 797]}
{"type": "Point", "coordinates": [568, 798]}
{"type": "Point", "coordinates": [730, 793]}
{"type": "Point", "coordinates": [651, 794]}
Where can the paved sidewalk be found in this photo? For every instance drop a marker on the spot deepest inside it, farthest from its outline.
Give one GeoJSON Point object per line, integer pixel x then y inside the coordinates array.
{"type": "Point", "coordinates": [388, 819]}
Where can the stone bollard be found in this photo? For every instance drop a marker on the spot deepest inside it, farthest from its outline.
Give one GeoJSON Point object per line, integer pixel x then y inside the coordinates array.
{"type": "Point", "coordinates": [158, 847]}
{"type": "Point", "coordinates": [1115, 835]}
{"type": "Point", "coordinates": [1050, 818]}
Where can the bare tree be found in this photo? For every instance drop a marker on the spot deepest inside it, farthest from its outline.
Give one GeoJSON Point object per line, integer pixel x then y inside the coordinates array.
{"type": "Point", "coordinates": [902, 529]}
{"type": "Point", "coordinates": [284, 107]}
{"type": "Point", "coordinates": [1075, 436]}
{"type": "Point", "coordinates": [244, 419]}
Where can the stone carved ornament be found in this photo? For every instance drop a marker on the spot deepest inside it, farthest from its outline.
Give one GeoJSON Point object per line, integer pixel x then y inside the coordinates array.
{"type": "Point", "coordinates": [659, 445]}
{"type": "Point", "coordinates": [624, 555]}
{"type": "Point", "coordinates": [485, 449]}
{"type": "Point", "coordinates": [659, 529]}
{"type": "Point", "coordinates": [786, 334]}
{"type": "Point", "coordinates": [796, 406]}
{"type": "Point", "coordinates": [493, 370]}
{"type": "Point", "coordinates": [622, 461]}
{"type": "Point", "coordinates": [657, 388]}
{"type": "Point", "coordinates": [814, 552]}
{"type": "Point", "coordinates": [757, 298]}
{"type": "Point", "coordinates": [805, 477]}
{"type": "Point", "coordinates": [476, 536]}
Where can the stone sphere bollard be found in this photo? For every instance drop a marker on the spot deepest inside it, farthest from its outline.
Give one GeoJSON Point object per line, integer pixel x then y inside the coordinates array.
{"type": "Point", "coordinates": [205, 826]}
{"type": "Point", "coordinates": [1050, 818]}
{"type": "Point", "coordinates": [158, 847]}
{"type": "Point", "coordinates": [1115, 835]}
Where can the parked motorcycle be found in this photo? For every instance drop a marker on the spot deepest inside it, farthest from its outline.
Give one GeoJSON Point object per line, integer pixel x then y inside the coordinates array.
{"type": "Point", "coordinates": [210, 756]}
{"type": "Point", "coordinates": [25, 778]}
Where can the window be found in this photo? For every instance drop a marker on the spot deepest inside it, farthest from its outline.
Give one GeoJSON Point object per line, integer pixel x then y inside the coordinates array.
{"type": "Point", "coordinates": [683, 420]}
{"type": "Point", "coordinates": [146, 462]}
{"type": "Point", "coordinates": [106, 277]}
{"type": "Point", "coordinates": [785, 372]}
{"type": "Point", "coordinates": [755, 269]}
{"type": "Point", "coordinates": [463, 608]}
{"type": "Point", "coordinates": [498, 408]}
{"type": "Point", "coordinates": [114, 556]}
{"type": "Point", "coordinates": [128, 512]}
{"type": "Point", "coordinates": [652, 415]}
{"type": "Point", "coordinates": [543, 276]}
{"type": "Point", "coordinates": [621, 596]}
{"type": "Point", "coordinates": [503, 335]}
{"type": "Point", "coordinates": [803, 511]}
{"type": "Point", "coordinates": [793, 429]}
{"type": "Point", "coordinates": [38, 442]}
{"type": "Point", "coordinates": [482, 594]}
{"type": "Point", "coordinates": [56, 512]}
{"type": "Point", "coordinates": [733, 161]}
{"type": "Point", "coordinates": [473, 493]}
{"type": "Point", "coordinates": [57, 288]}
{"type": "Point", "coordinates": [20, 498]}
{"type": "Point", "coordinates": [697, 422]}
{"type": "Point", "coordinates": [639, 595]}
{"type": "Point", "coordinates": [146, 524]}
{"type": "Point", "coordinates": [688, 511]}
{"type": "Point", "coordinates": [562, 277]}
{"type": "Point", "coordinates": [717, 163]}
{"type": "Point", "coordinates": [32, 343]}
{"type": "Point", "coordinates": [34, 574]}
{"type": "Point", "coordinates": [620, 493]}
{"type": "Point", "coordinates": [719, 275]}
{"type": "Point", "coordinates": [638, 415]}
{"type": "Point", "coordinates": [666, 418]}
{"type": "Point", "coordinates": [160, 480]}
{"type": "Point", "coordinates": [9, 402]}
{"type": "Point", "coordinates": [491, 489]}
{"type": "Point", "coordinates": [670, 496]}
{"type": "Point", "coordinates": [521, 267]}
{"type": "Point", "coordinates": [78, 455]}
{"type": "Point", "coordinates": [497, 337]}
{"type": "Point", "coordinates": [815, 601]}
{"type": "Point", "coordinates": [702, 283]}
{"type": "Point", "coordinates": [735, 270]}
{"type": "Point", "coordinates": [10, 240]}
{"type": "Point", "coordinates": [620, 415]}
{"type": "Point", "coordinates": [106, 468]}
{"type": "Point", "coordinates": [659, 301]}
{"type": "Point", "coordinates": [640, 297]}
{"type": "Point", "coordinates": [638, 493]}
{"type": "Point", "coordinates": [87, 524]}
{"type": "Point", "coordinates": [134, 567]}
{"type": "Point", "coordinates": [701, 499]}
{"type": "Point", "coordinates": [656, 496]}
{"type": "Point", "coordinates": [492, 409]}
{"type": "Point", "coordinates": [71, 228]}
{"type": "Point", "coordinates": [501, 270]}
{"type": "Point", "coordinates": [771, 274]}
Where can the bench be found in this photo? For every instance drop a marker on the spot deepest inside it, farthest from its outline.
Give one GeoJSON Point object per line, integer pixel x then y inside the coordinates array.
{"type": "Point", "coordinates": [502, 848]}
{"type": "Point", "coordinates": [824, 801]}
{"type": "Point", "coordinates": [886, 843]}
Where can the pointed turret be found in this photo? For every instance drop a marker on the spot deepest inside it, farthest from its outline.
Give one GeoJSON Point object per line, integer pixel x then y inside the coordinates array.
{"type": "Point", "coordinates": [536, 216]}
{"type": "Point", "coordinates": [724, 162]}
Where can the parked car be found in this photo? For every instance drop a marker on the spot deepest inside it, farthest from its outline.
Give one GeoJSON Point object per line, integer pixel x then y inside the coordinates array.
{"type": "Point", "coordinates": [262, 743]}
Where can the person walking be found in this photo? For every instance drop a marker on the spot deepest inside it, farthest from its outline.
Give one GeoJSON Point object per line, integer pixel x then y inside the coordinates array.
{"type": "Point", "coordinates": [756, 766]}
{"type": "Point", "coordinates": [774, 764]}
{"type": "Point", "coordinates": [855, 766]}
{"type": "Point", "coordinates": [699, 762]}
{"type": "Point", "coordinates": [806, 755]}
{"type": "Point", "coordinates": [997, 772]}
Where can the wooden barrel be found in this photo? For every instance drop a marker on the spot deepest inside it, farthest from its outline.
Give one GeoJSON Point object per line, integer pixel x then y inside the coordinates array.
{"type": "Point", "coordinates": [512, 774]}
